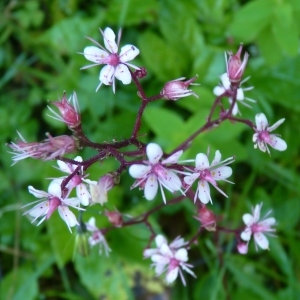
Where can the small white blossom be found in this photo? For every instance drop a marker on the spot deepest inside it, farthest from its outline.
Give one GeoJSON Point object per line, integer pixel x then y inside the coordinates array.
{"type": "Point", "coordinates": [116, 64]}
{"type": "Point", "coordinates": [154, 173]}
{"type": "Point", "coordinates": [218, 170]}
{"type": "Point", "coordinates": [257, 227]}
{"type": "Point", "coordinates": [240, 97]}
{"type": "Point", "coordinates": [262, 138]}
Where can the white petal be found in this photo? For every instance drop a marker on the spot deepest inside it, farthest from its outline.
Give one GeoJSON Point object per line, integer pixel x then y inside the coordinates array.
{"type": "Point", "coordinates": [39, 210]}
{"type": "Point", "coordinates": [261, 121]}
{"type": "Point", "coordinates": [128, 52]}
{"type": "Point", "coordinates": [172, 275]}
{"type": "Point", "coordinates": [173, 158]}
{"type": "Point", "coordinates": [94, 54]}
{"type": "Point", "coordinates": [78, 158]}
{"type": "Point", "coordinates": [106, 74]}
{"type": "Point", "coordinates": [83, 194]}
{"type": "Point", "coordinates": [109, 40]}
{"type": "Point", "coordinates": [154, 153]}
{"type": "Point", "coordinates": [256, 212]}
{"type": "Point", "coordinates": [248, 219]}
{"type": "Point", "coordinates": [166, 251]}
{"type": "Point", "coordinates": [139, 171]}
{"type": "Point", "coordinates": [261, 240]}
{"type": "Point", "coordinates": [149, 252]}
{"type": "Point", "coordinates": [74, 201]}
{"type": "Point", "coordinates": [246, 234]}
{"type": "Point", "coordinates": [181, 255]}
{"type": "Point", "coordinates": [54, 187]}
{"type": "Point", "coordinates": [170, 181]}
{"type": "Point", "coordinates": [221, 173]}
{"type": "Point", "coordinates": [159, 240]}
{"type": "Point", "coordinates": [274, 126]}
{"type": "Point", "coordinates": [225, 81]}
{"type": "Point", "coordinates": [202, 162]}
{"type": "Point", "coordinates": [122, 73]}
{"type": "Point", "coordinates": [37, 193]}
{"type": "Point", "coordinates": [268, 222]}
{"type": "Point", "coordinates": [151, 187]}
{"type": "Point", "coordinates": [240, 95]}
{"type": "Point", "coordinates": [218, 90]}
{"type": "Point", "coordinates": [190, 179]}
{"type": "Point", "coordinates": [278, 143]}
{"type": "Point", "coordinates": [177, 243]}
{"type": "Point", "coordinates": [235, 109]}
{"type": "Point", "coordinates": [67, 216]}
{"type": "Point", "coordinates": [217, 158]}
{"type": "Point", "coordinates": [160, 259]}
{"type": "Point", "coordinates": [204, 192]}
{"type": "Point", "coordinates": [64, 167]}
{"type": "Point", "coordinates": [92, 222]}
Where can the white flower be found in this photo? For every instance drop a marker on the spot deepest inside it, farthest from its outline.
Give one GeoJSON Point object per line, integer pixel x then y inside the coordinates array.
{"type": "Point", "coordinates": [257, 228]}
{"type": "Point", "coordinates": [209, 174]}
{"type": "Point", "coordinates": [116, 64]}
{"type": "Point", "coordinates": [219, 90]}
{"type": "Point", "coordinates": [77, 180]}
{"type": "Point", "coordinates": [170, 259]}
{"type": "Point", "coordinates": [53, 201]}
{"type": "Point", "coordinates": [153, 173]}
{"type": "Point", "coordinates": [97, 238]}
{"type": "Point", "coordinates": [262, 137]}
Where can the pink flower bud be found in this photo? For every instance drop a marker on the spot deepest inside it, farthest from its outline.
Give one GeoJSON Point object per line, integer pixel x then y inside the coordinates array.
{"type": "Point", "coordinates": [175, 89]}
{"type": "Point", "coordinates": [115, 218]}
{"type": "Point", "coordinates": [236, 67]}
{"type": "Point", "coordinates": [45, 150]}
{"type": "Point", "coordinates": [207, 218]}
{"type": "Point", "coordinates": [242, 248]}
{"type": "Point", "coordinates": [69, 113]}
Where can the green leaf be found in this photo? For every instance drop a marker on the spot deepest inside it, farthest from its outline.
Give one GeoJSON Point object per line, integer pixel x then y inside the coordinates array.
{"type": "Point", "coordinates": [285, 29]}
{"type": "Point", "coordinates": [251, 19]}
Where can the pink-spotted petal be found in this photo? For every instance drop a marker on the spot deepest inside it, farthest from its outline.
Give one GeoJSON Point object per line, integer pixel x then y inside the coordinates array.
{"type": "Point", "coordinates": [274, 126]}
{"type": "Point", "coordinates": [202, 162]}
{"type": "Point", "coordinates": [261, 240]}
{"type": "Point", "coordinates": [64, 167]}
{"type": "Point", "coordinates": [39, 210]}
{"type": "Point", "coordinates": [170, 181]}
{"type": "Point", "coordinates": [139, 171]}
{"type": "Point", "coordinates": [221, 173]}
{"type": "Point", "coordinates": [217, 158]}
{"type": "Point", "coordinates": [204, 192]}
{"type": "Point", "coordinates": [190, 179]}
{"type": "Point", "coordinates": [128, 52]}
{"type": "Point", "coordinates": [94, 54]}
{"type": "Point", "coordinates": [278, 143]}
{"type": "Point", "coordinates": [173, 158]}
{"type": "Point", "coordinates": [109, 40]}
{"type": "Point", "coordinates": [154, 153]}
{"type": "Point", "coordinates": [151, 187]}
{"type": "Point", "coordinates": [106, 74]}
{"type": "Point", "coordinates": [261, 122]}
{"type": "Point", "coordinates": [122, 73]}
{"type": "Point", "coordinates": [83, 194]}
{"type": "Point", "coordinates": [67, 216]}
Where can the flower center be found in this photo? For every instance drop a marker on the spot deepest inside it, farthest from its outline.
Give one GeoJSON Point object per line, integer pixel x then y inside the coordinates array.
{"type": "Point", "coordinates": [113, 59]}
{"type": "Point", "coordinates": [206, 176]}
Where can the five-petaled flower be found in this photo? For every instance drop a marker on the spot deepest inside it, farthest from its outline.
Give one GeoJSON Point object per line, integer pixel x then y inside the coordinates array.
{"type": "Point", "coordinates": [262, 138]}
{"type": "Point", "coordinates": [218, 170]}
{"type": "Point", "coordinates": [77, 180]}
{"type": "Point", "coordinates": [225, 89]}
{"type": "Point", "coordinates": [97, 238]}
{"type": "Point", "coordinates": [171, 259]}
{"type": "Point", "coordinates": [152, 173]}
{"type": "Point", "coordinates": [257, 227]}
{"type": "Point", "coordinates": [116, 64]}
{"type": "Point", "coordinates": [52, 200]}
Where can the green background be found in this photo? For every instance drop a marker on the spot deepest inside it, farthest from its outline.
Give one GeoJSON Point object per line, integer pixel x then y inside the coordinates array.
{"type": "Point", "coordinates": [39, 46]}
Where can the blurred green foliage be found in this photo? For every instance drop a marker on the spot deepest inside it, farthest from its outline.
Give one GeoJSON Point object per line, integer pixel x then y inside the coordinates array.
{"type": "Point", "coordinates": [39, 46]}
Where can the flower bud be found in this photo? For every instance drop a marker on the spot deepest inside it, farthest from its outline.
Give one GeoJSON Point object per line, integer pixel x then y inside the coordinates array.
{"type": "Point", "coordinates": [236, 67]}
{"type": "Point", "coordinates": [207, 218]}
{"type": "Point", "coordinates": [69, 113]}
{"type": "Point", "coordinates": [242, 248]}
{"type": "Point", "coordinates": [175, 89]}
{"type": "Point", "coordinates": [115, 218]}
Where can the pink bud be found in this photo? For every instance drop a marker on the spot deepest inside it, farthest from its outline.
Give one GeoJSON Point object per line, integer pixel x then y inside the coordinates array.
{"type": "Point", "coordinates": [175, 89]}
{"type": "Point", "coordinates": [242, 247]}
{"type": "Point", "coordinates": [236, 67]}
{"type": "Point", "coordinates": [207, 218]}
{"type": "Point", "coordinates": [70, 114]}
{"type": "Point", "coordinates": [115, 218]}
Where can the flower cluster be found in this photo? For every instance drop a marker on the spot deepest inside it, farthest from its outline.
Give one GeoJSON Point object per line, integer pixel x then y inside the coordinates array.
{"type": "Point", "coordinates": [152, 169]}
